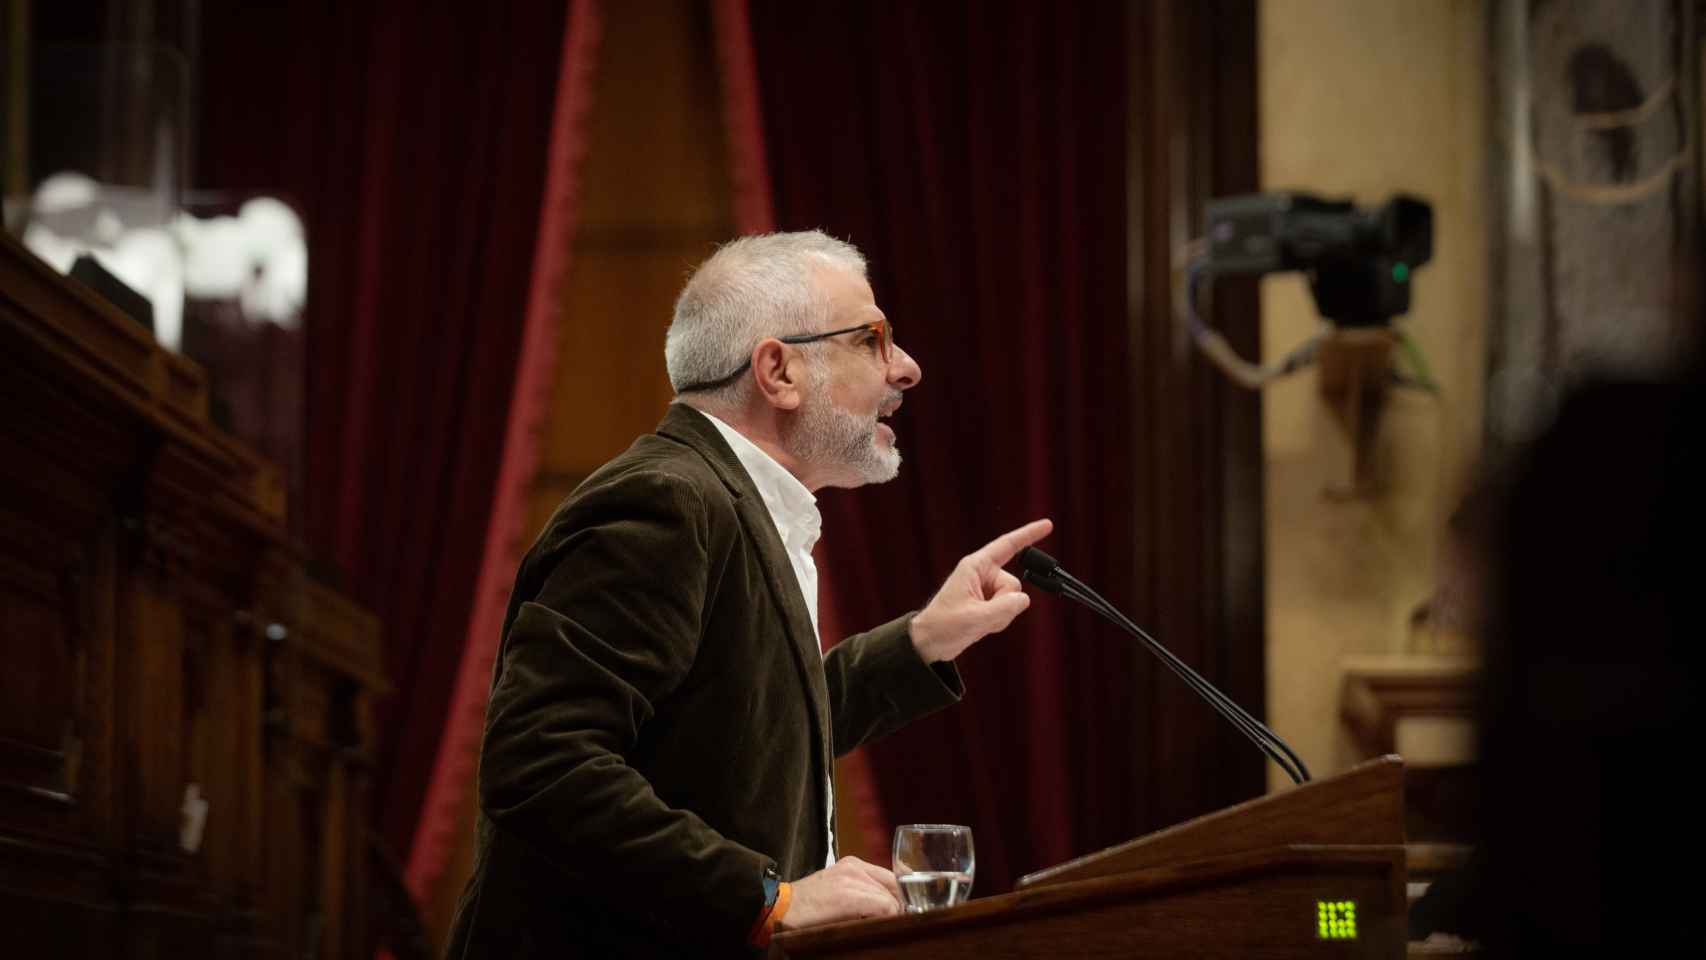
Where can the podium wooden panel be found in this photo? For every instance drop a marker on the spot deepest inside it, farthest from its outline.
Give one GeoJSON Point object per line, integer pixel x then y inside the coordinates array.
{"type": "Point", "coordinates": [165, 647]}
{"type": "Point", "coordinates": [1247, 881]}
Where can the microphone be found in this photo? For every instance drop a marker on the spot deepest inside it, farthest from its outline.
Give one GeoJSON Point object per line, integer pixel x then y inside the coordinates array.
{"type": "Point", "coordinates": [1045, 572]}
{"type": "Point", "coordinates": [1039, 568]}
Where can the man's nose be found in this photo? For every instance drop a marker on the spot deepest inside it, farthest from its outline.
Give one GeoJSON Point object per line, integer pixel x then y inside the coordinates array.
{"type": "Point", "coordinates": [904, 372]}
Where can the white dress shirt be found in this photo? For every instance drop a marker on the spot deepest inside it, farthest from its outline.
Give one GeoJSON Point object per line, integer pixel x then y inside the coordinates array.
{"type": "Point", "coordinates": [793, 509]}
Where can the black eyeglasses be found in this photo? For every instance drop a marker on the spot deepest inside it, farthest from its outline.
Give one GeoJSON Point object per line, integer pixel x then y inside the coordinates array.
{"type": "Point", "coordinates": [882, 329]}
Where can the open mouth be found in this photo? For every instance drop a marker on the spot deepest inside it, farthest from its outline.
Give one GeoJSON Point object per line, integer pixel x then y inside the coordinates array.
{"type": "Point", "coordinates": [884, 412]}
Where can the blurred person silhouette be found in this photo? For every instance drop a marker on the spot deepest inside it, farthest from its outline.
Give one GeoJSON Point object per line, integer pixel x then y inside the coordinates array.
{"type": "Point", "coordinates": [1450, 907]}
{"type": "Point", "coordinates": [1591, 705]}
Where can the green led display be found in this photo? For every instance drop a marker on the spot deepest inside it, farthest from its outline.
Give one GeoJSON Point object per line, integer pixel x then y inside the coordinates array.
{"type": "Point", "coordinates": [1336, 919]}
{"type": "Point", "coordinates": [1400, 272]}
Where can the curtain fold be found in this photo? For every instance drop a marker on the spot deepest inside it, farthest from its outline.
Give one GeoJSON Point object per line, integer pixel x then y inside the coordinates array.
{"type": "Point", "coordinates": [976, 152]}
{"type": "Point", "coordinates": [444, 807]}
{"type": "Point", "coordinates": [414, 139]}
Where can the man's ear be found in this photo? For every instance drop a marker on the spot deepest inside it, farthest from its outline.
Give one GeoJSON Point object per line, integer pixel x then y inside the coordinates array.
{"type": "Point", "coordinates": [779, 373]}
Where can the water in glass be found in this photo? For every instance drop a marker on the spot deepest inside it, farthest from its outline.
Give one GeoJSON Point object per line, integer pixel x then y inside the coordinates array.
{"type": "Point", "coordinates": [933, 889]}
{"type": "Point", "coordinates": [934, 864]}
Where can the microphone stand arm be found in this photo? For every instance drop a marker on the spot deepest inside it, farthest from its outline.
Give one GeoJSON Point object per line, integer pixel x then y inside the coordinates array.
{"type": "Point", "coordinates": [1258, 733]}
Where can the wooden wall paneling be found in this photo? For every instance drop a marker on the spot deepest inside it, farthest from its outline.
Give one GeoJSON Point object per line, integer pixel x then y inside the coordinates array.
{"type": "Point", "coordinates": [277, 576]}
{"type": "Point", "coordinates": [282, 895]}
{"type": "Point", "coordinates": [322, 672]}
{"type": "Point", "coordinates": [291, 778]}
{"type": "Point", "coordinates": [47, 590]}
{"type": "Point", "coordinates": [308, 917]}
{"type": "Point", "coordinates": [98, 354]}
{"type": "Point", "coordinates": [279, 810]}
{"type": "Point", "coordinates": [57, 823]}
{"type": "Point", "coordinates": [200, 767]}
{"type": "Point", "coordinates": [356, 705]}
{"type": "Point", "coordinates": [151, 650]}
{"type": "Point", "coordinates": [49, 922]}
{"type": "Point", "coordinates": [1191, 136]}
{"type": "Point", "coordinates": [335, 830]}
{"type": "Point", "coordinates": [163, 635]}
{"type": "Point", "coordinates": [1227, 127]}
{"type": "Point", "coordinates": [222, 734]}
{"type": "Point", "coordinates": [162, 656]}
{"type": "Point", "coordinates": [57, 580]}
{"type": "Point", "coordinates": [225, 723]}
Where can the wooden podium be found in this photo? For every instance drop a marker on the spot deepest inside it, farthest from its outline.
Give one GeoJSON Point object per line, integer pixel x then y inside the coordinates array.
{"type": "Point", "coordinates": [1316, 871]}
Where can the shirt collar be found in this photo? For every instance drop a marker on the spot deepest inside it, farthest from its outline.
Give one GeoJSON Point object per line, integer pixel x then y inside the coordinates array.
{"type": "Point", "coordinates": [792, 507]}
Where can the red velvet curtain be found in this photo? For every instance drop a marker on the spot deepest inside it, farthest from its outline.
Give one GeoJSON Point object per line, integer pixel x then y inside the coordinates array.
{"type": "Point", "coordinates": [976, 152]}
{"type": "Point", "coordinates": [414, 139]}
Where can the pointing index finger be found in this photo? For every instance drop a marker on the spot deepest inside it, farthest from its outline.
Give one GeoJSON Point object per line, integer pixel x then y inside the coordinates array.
{"type": "Point", "coordinates": [1007, 546]}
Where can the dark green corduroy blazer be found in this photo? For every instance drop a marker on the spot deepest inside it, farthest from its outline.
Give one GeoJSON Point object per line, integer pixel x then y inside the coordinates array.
{"type": "Point", "coordinates": [661, 723]}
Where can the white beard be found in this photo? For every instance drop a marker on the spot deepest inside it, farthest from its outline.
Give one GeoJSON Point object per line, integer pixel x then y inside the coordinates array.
{"type": "Point", "coordinates": [828, 436]}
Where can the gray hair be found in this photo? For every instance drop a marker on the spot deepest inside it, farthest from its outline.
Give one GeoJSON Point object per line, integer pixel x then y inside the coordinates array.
{"type": "Point", "coordinates": [751, 288]}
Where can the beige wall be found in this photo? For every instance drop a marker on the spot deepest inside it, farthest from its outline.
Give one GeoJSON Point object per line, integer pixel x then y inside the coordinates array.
{"type": "Point", "coordinates": [1363, 98]}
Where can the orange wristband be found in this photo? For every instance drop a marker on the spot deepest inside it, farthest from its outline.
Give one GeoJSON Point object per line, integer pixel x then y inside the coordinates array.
{"type": "Point", "coordinates": [784, 897]}
{"type": "Point", "coordinates": [766, 924]}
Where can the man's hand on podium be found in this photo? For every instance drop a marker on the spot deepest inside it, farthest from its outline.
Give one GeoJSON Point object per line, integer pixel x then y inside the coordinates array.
{"type": "Point", "coordinates": [849, 889]}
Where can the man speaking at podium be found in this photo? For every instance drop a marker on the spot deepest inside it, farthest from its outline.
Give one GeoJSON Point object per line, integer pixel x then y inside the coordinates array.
{"type": "Point", "coordinates": [655, 775]}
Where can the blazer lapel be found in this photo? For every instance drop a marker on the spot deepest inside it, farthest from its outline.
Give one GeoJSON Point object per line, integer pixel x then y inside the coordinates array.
{"type": "Point", "coordinates": [688, 426]}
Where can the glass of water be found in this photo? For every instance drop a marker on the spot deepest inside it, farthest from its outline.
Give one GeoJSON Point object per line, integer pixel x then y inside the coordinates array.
{"type": "Point", "coordinates": [934, 864]}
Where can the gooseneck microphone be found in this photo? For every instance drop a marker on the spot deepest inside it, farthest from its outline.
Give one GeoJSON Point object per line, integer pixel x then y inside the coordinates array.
{"type": "Point", "coordinates": [1042, 570]}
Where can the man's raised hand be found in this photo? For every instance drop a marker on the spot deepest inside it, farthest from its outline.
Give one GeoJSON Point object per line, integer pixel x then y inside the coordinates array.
{"type": "Point", "coordinates": [979, 597]}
